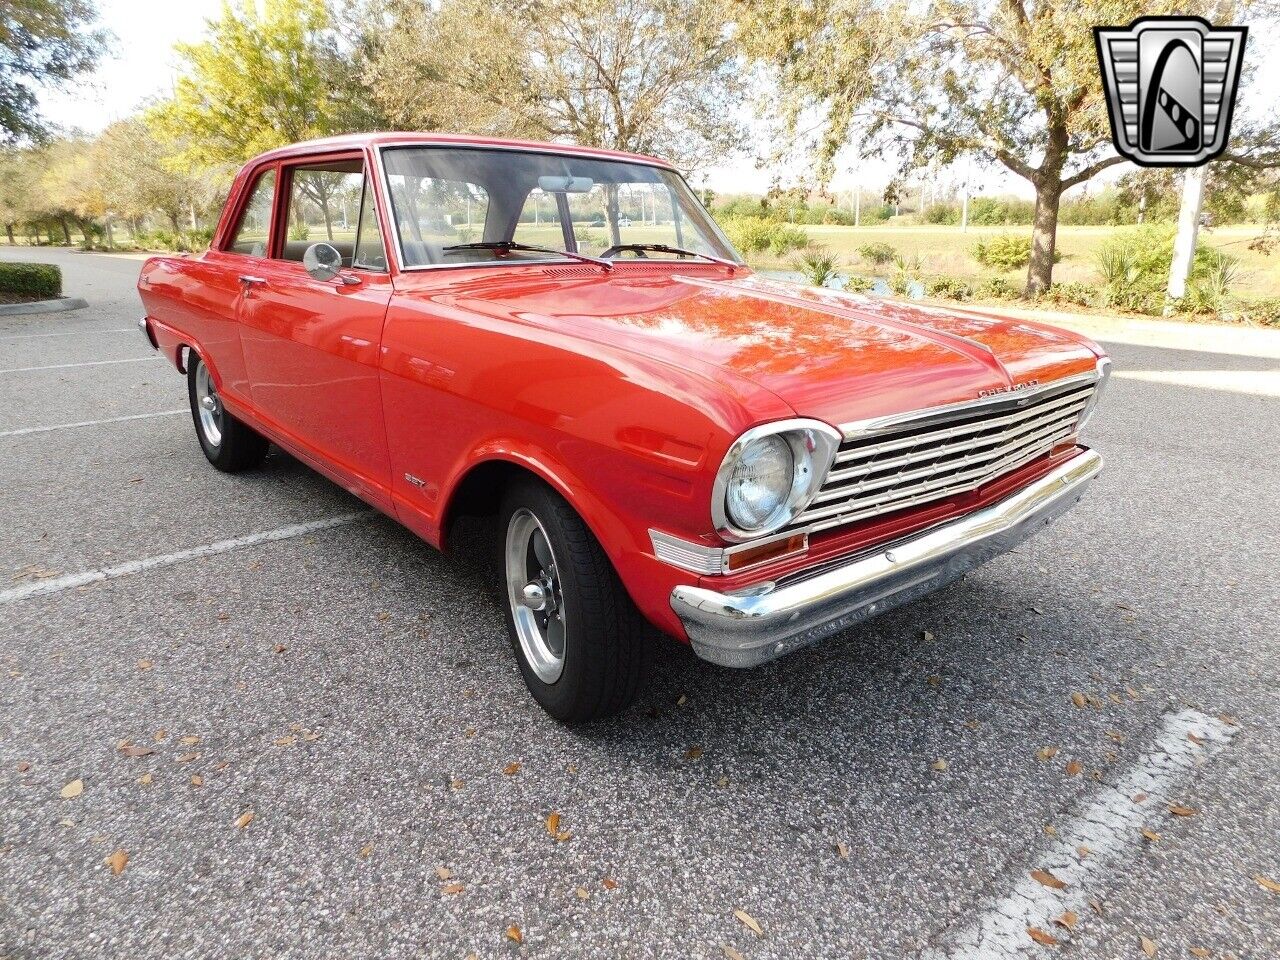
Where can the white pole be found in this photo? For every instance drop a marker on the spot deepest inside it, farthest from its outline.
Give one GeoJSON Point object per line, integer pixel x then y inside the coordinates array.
{"type": "Point", "coordinates": [857, 206]}
{"type": "Point", "coordinates": [1184, 246]}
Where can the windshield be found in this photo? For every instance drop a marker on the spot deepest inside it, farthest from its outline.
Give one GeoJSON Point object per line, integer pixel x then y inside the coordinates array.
{"type": "Point", "coordinates": [448, 203]}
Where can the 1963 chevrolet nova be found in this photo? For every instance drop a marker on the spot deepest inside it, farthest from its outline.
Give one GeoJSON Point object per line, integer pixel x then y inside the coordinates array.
{"type": "Point", "coordinates": [563, 338]}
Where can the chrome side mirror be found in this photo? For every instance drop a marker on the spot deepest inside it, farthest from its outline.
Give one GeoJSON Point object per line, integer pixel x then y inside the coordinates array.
{"type": "Point", "coordinates": [322, 261]}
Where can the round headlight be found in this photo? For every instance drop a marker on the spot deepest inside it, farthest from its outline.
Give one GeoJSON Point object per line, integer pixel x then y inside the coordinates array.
{"type": "Point", "coordinates": [760, 483]}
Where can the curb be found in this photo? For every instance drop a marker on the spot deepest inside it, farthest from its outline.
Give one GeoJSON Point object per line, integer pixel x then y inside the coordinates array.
{"type": "Point", "coordinates": [61, 305]}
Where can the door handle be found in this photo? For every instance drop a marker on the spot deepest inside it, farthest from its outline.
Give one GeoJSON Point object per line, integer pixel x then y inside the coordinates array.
{"type": "Point", "coordinates": [249, 281]}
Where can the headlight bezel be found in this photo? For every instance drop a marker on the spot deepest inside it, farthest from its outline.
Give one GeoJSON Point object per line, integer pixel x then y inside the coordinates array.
{"type": "Point", "coordinates": [813, 447]}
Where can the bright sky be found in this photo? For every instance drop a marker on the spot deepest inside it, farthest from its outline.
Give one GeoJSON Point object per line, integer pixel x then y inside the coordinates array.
{"type": "Point", "coordinates": [144, 66]}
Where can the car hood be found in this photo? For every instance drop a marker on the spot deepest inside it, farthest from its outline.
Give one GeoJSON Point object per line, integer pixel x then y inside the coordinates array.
{"type": "Point", "coordinates": [834, 356]}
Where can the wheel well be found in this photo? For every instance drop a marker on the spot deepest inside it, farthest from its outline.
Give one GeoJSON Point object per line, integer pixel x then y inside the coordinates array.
{"type": "Point", "coordinates": [479, 492]}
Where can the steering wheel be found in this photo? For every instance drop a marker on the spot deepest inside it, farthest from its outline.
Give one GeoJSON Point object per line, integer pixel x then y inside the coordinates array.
{"type": "Point", "coordinates": [623, 248]}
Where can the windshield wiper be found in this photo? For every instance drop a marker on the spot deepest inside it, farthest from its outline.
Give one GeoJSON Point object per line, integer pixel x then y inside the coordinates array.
{"type": "Point", "coordinates": [678, 251]}
{"type": "Point", "coordinates": [514, 245]}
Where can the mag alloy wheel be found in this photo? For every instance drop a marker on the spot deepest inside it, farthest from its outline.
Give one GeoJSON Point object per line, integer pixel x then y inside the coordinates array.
{"type": "Point", "coordinates": [534, 592]}
{"type": "Point", "coordinates": [208, 406]}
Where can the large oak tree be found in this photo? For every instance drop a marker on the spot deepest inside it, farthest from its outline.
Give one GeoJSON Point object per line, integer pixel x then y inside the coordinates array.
{"type": "Point", "coordinates": [1014, 82]}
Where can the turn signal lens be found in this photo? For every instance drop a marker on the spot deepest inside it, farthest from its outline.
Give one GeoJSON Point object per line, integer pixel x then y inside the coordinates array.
{"type": "Point", "coordinates": [738, 559]}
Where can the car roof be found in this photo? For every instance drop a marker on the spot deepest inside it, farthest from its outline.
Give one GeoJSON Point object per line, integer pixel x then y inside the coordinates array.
{"type": "Point", "coordinates": [357, 141]}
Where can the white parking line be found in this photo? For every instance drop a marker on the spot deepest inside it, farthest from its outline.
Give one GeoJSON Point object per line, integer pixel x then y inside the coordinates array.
{"type": "Point", "coordinates": [71, 581]}
{"type": "Point", "coordinates": [1089, 846]}
{"type": "Point", "coordinates": [23, 431]}
{"type": "Point", "coordinates": [89, 363]}
{"type": "Point", "coordinates": [66, 333]}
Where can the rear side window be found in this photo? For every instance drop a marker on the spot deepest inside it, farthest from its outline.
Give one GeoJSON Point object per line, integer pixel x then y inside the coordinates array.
{"type": "Point", "coordinates": [254, 229]}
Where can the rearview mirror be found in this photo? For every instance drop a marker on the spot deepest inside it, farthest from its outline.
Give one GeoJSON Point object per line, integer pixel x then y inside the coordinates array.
{"type": "Point", "coordinates": [322, 261]}
{"type": "Point", "coordinates": [565, 184]}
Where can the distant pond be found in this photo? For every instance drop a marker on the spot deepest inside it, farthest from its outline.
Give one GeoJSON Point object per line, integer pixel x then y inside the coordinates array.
{"type": "Point", "coordinates": [879, 286]}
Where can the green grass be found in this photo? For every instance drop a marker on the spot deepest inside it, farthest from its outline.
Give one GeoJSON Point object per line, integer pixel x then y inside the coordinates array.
{"type": "Point", "coordinates": [947, 250]}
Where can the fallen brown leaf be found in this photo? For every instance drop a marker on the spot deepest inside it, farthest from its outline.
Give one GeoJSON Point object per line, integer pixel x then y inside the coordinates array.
{"type": "Point", "coordinates": [145, 664]}
{"type": "Point", "coordinates": [457, 784]}
{"type": "Point", "coordinates": [927, 636]}
{"type": "Point", "coordinates": [1180, 811]}
{"type": "Point", "coordinates": [452, 888]}
{"type": "Point", "coordinates": [190, 740]}
{"type": "Point", "coordinates": [288, 741]}
{"type": "Point", "coordinates": [1079, 699]}
{"type": "Point", "coordinates": [1229, 720]}
{"type": "Point", "coordinates": [553, 823]}
{"type": "Point", "coordinates": [1046, 753]}
{"type": "Point", "coordinates": [366, 851]}
{"type": "Point", "coordinates": [1266, 883]}
{"type": "Point", "coordinates": [693, 753]}
{"type": "Point", "coordinates": [1151, 834]}
{"type": "Point", "coordinates": [281, 648]}
{"type": "Point", "coordinates": [1068, 920]}
{"type": "Point", "coordinates": [1097, 907]}
{"type": "Point", "coordinates": [1200, 952]}
{"type": "Point", "coordinates": [129, 750]}
{"type": "Point", "coordinates": [197, 780]}
{"type": "Point", "coordinates": [513, 933]}
{"type": "Point", "coordinates": [731, 953]}
{"type": "Point", "coordinates": [511, 769]}
{"type": "Point", "coordinates": [1139, 798]}
{"type": "Point", "coordinates": [582, 893]}
{"type": "Point", "coordinates": [245, 819]}
{"type": "Point", "coordinates": [444, 873]}
{"type": "Point", "coordinates": [117, 862]}
{"type": "Point", "coordinates": [939, 765]}
{"type": "Point", "coordinates": [609, 883]}
{"type": "Point", "coordinates": [1083, 851]}
{"type": "Point", "coordinates": [1196, 739]}
{"type": "Point", "coordinates": [72, 790]}
{"type": "Point", "coordinates": [1148, 946]}
{"type": "Point", "coordinates": [1074, 767]}
{"type": "Point", "coordinates": [1047, 879]}
{"type": "Point", "coordinates": [186, 758]}
{"type": "Point", "coordinates": [842, 849]}
{"type": "Point", "coordinates": [750, 922]}
{"type": "Point", "coordinates": [23, 766]}
{"type": "Point", "coordinates": [1041, 937]}
{"type": "Point", "coordinates": [145, 779]}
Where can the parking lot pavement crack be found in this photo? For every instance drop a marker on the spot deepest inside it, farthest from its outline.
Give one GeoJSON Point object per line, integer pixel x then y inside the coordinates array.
{"type": "Point", "coordinates": [1089, 846]}
{"type": "Point", "coordinates": [130, 567]}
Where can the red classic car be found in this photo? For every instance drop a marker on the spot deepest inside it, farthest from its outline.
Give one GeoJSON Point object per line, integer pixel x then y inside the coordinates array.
{"type": "Point", "coordinates": [562, 337]}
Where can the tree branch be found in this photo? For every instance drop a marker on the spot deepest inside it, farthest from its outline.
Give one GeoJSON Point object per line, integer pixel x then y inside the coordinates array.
{"type": "Point", "coordinates": [1090, 171]}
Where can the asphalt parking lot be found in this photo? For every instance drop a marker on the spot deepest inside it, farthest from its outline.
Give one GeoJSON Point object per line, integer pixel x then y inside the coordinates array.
{"type": "Point", "coordinates": [886, 794]}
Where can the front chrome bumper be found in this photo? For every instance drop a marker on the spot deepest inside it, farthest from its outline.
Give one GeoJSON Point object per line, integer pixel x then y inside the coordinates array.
{"type": "Point", "coordinates": [758, 624]}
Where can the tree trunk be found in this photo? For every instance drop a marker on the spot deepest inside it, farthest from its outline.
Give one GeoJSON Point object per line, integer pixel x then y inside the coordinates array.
{"type": "Point", "coordinates": [66, 231]}
{"type": "Point", "coordinates": [1044, 236]}
{"type": "Point", "coordinates": [8, 228]}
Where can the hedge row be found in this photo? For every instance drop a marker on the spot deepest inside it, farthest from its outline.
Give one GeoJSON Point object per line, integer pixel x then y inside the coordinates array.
{"type": "Point", "coordinates": [39, 281]}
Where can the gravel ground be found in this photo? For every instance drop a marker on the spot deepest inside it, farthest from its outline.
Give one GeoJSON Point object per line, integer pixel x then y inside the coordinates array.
{"type": "Point", "coordinates": [354, 690]}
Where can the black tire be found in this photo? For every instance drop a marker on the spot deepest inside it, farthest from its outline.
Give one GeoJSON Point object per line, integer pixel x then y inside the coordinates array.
{"type": "Point", "coordinates": [231, 445]}
{"type": "Point", "coordinates": [606, 645]}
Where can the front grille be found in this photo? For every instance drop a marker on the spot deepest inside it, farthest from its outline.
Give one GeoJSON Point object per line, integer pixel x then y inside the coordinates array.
{"type": "Point", "coordinates": [907, 461]}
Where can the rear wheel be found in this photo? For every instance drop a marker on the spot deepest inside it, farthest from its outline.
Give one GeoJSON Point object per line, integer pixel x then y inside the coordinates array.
{"type": "Point", "coordinates": [580, 642]}
{"type": "Point", "coordinates": [229, 444]}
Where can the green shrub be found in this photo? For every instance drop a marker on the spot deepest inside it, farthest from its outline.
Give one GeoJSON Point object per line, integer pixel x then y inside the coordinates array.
{"type": "Point", "coordinates": [1076, 294]}
{"type": "Point", "coordinates": [905, 272]}
{"type": "Point", "coordinates": [749, 234]}
{"type": "Point", "coordinates": [994, 288]}
{"type": "Point", "coordinates": [941, 213]}
{"type": "Point", "coordinates": [786, 238]}
{"type": "Point", "coordinates": [1005, 251]}
{"type": "Point", "coordinates": [878, 253]}
{"type": "Point", "coordinates": [858, 284]}
{"type": "Point", "coordinates": [1134, 269]}
{"type": "Point", "coordinates": [1001, 211]}
{"type": "Point", "coordinates": [948, 288]}
{"type": "Point", "coordinates": [818, 266]}
{"type": "Point", "coordinates": [36, 281]}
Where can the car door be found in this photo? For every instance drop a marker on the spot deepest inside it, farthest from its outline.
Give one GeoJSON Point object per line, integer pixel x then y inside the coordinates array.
{"type": "Point", "coordinates": [311, 346]}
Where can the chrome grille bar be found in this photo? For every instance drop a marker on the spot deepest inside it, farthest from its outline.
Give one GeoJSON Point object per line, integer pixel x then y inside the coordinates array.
{"type": "Point", "coordinates": [895, 463]}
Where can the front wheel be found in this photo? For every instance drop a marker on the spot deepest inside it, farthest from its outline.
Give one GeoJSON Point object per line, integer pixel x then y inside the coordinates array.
{"type": "Point", "coordinates": [580, 642]}
{"type": "Point", "coordinates": [230, 445]}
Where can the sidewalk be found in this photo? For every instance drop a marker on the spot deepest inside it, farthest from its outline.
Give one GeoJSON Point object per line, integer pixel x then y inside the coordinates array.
{"type": "Point", "coordinates": [1143, 332]}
